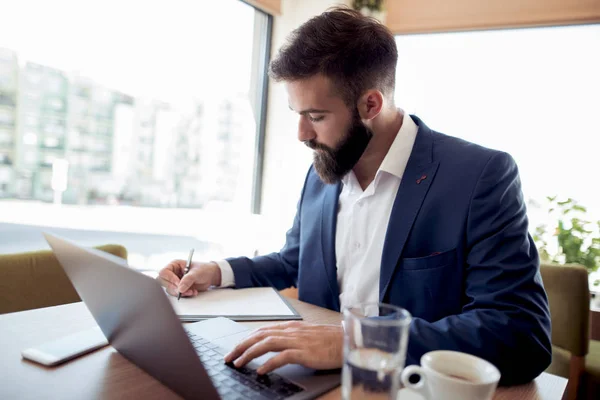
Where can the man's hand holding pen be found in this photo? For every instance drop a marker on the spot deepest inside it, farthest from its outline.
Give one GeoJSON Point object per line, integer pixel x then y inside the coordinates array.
{"type": "Point", "coordinates": [201, 276]}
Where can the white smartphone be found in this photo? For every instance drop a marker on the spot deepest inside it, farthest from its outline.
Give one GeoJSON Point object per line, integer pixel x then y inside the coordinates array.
{"type": "Point", "coordinates": [66, 348]}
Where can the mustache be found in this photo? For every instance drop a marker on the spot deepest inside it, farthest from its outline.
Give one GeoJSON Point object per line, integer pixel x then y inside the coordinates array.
{"type": "Point", "coordinates": [313, 145]}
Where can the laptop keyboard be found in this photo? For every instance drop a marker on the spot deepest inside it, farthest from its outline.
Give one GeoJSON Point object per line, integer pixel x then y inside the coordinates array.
{"type": "Point", "coordinates": [240, 383]}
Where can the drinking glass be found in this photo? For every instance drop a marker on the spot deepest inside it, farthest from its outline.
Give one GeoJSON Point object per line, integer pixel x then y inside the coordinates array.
{"type": "Point", "coordinates": [375, 340]}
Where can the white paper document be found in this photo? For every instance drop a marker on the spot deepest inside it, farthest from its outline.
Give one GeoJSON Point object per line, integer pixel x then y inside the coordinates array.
{"type": "Point", "coordinates": [263, 303]}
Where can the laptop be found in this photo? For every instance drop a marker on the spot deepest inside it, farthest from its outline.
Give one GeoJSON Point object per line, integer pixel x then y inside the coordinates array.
{"type": "Point", "coordinates": [138, 320]}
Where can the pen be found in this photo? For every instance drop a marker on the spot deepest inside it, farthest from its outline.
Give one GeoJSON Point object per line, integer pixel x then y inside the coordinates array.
{"type": "Point", "coordinates": [187, 268]}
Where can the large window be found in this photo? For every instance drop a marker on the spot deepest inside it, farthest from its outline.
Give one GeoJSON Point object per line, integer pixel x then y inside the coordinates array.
{"type": "Point", "coordinates": [531, 92]}
{"type": "Point", "coordinates": [151, 109]}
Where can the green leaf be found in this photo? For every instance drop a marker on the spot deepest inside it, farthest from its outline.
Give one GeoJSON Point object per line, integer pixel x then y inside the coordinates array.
{"type": "Point", "coordinates": [577, 241]}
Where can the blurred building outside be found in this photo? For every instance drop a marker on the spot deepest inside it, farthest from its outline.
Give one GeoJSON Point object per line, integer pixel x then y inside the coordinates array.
{"type": "Point", "coordinates": [119, 149]}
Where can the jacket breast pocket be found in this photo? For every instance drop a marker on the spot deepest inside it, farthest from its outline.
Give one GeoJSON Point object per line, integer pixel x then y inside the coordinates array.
{"type": "Point", "coordinates": [429, 287]}
{"type": "Point", "coordinates": [433, 261]}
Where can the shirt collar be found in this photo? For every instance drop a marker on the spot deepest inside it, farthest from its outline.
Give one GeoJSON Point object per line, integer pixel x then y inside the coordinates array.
{"type": "Point", "coordinates": [397, 156]}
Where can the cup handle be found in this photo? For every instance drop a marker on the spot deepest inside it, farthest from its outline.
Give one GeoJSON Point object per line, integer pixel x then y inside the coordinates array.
{"type": "Point", "coordinates": [418, 387]}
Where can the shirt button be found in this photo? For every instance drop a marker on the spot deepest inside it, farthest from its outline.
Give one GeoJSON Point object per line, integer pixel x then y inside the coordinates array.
{"type": "Point", "coordinates": [357, 245]}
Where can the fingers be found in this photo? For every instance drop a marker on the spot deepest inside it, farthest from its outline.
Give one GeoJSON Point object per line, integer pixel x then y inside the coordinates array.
{"type": "Point", "coordinates": [188, 293]}
{"type": "Point", "coordinates": [314, 346]}
{"type": "Point", "coordinates": [177, 267]}
{"type": "Point", "coordinates": [168, 276]}
{"type": "Point", "coordinates": [244, 345]}
{"type": "Point", "coordinates": [283, 325]}
{"type": "Point", "coordinates": [292, 356]}
{"type": "Point", "coordinates": [261, 334]}
{"type": "Point", "coordinates": [186, 283]}
{"type": "Point", "coordinates": [271, 343]}
{"type": "Point", "coordinates": [171, 273]}
{"type": "Point", "coordinates": [173, 289]}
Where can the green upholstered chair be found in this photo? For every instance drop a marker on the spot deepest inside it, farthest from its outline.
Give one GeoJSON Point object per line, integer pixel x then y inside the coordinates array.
{"type": "Point", "coordinates": [574, 356]}
{"type": "Point", "coordinates": [591, 377]}
{"type": "Point", "coordinates": [36, 279]}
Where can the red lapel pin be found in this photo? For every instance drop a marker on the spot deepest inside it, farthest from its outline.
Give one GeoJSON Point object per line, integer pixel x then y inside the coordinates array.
{"type": "Point", "coordinates": [421, 179]}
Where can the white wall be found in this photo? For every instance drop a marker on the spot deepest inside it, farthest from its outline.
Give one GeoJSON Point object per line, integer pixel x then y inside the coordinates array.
{"type": "Point", "coordinates": [286, 159]}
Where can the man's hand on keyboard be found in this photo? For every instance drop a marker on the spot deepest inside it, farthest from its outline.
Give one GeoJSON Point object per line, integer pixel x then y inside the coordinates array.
{"type": "Point", "coordinates": [311, 345]}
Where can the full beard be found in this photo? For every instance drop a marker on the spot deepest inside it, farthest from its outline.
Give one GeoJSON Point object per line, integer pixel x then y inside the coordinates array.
{"type": "Point", "coordinates": [332, 164]}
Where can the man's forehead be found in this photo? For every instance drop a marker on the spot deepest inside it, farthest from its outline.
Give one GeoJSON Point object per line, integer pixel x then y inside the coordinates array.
{"type": "Point", "coordinates": [313, 92]}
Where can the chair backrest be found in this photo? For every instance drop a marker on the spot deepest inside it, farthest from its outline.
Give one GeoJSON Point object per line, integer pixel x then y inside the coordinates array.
{"type": "Point", "coordinates": [36, 279]}
{"type": "Point", "coordinates": [569, 298]}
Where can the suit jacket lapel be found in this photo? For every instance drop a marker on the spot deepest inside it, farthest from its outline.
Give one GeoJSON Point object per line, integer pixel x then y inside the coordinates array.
{"type": "Point", "coordinates": [417, 178]}
{"type": "Point", "coordinates": [328, 228]}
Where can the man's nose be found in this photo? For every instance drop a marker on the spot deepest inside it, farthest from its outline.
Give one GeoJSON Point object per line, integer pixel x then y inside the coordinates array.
{"type": "Point", "coordinates": [305, 130]}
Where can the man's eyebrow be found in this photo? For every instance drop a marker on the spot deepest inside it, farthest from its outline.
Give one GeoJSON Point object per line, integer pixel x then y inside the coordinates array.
{"type": "Point", "coordinates": [311, 111]}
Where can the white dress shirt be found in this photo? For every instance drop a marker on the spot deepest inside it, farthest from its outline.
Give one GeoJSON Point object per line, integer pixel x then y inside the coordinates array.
{"type": "Point", "coordinates": [363, 218]}
{"type": "Point", "coordinates": [362, 223]}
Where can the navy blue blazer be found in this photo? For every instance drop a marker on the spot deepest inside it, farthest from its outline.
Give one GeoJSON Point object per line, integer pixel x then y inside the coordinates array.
{"type": "Point", "coordinates": [457, 255]}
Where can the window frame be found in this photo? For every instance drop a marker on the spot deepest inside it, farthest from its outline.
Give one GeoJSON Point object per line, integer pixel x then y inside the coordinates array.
{"type": "Point", "coordinates": [259, 91]}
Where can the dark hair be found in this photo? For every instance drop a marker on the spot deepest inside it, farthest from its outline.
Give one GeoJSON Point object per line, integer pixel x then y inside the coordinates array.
{"type": "Point", "coordinates": [356, 52]}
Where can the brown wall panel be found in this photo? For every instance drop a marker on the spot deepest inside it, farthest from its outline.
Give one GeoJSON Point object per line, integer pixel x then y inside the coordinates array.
{"type": "Point", "coordinates": [422, 16]}
{"type": "Point", "coordinates": [272, 7]}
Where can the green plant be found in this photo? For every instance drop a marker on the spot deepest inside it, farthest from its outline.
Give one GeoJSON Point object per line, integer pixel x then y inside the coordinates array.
{"type": "Point", "coordinates": [372, 5]}
{"type": "Point", "coordinates": [577, 240]}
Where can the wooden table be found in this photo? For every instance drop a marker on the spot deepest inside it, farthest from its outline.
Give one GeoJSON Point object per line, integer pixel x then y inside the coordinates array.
{"type": "Point", "coordinates": [105, 374]}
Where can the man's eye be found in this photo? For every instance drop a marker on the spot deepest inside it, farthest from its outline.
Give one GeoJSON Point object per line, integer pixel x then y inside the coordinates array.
{"type": "Point", "coordinates": [316, 119]}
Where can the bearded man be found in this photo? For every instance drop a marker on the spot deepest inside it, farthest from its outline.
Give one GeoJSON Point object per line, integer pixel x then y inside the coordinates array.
{"type": "Point", "coordinates": [391, 211]}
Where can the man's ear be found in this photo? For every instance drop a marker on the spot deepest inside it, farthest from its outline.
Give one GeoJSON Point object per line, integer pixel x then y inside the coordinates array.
{"type": "Point", "coordinates": [370, 104]}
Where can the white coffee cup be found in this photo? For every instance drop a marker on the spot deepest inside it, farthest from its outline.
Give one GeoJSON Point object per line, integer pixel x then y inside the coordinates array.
{"type": "Point", "coordinates": [452, 375]}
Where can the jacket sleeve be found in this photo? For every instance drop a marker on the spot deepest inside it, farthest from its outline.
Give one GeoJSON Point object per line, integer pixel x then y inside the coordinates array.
{"type": "Point", "coordinates": [506, 318]}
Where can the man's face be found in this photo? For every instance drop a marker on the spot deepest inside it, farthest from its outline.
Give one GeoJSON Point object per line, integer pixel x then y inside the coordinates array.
{"type": "Point", "coordinates": [334, 131]}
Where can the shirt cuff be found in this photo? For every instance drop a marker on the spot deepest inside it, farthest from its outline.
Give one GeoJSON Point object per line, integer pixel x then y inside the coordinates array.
{"type": "Point", "coordinates": [227, 277]}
